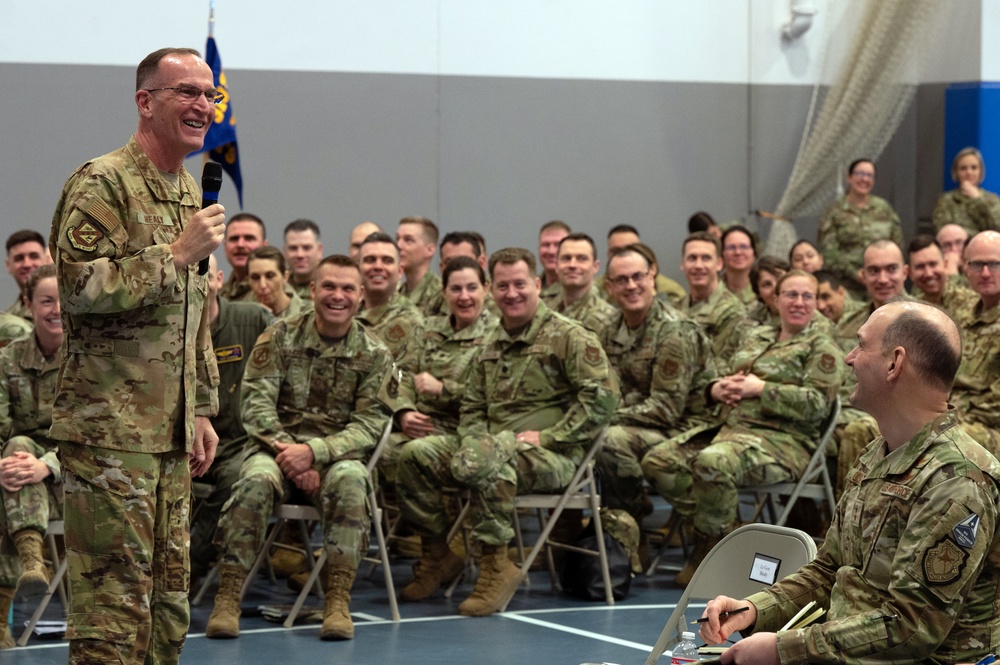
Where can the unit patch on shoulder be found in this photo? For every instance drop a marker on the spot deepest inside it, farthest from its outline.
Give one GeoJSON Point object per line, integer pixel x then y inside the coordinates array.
{"type": "Point", "coordinates": [85, 236]}
{"type": "Point", "coordinates": [395, 333]}
{"type": "Point", "coordinates": [592, 354]}
{"type": "Point", "coordinates": [965, 532]}
{"type": "Point", "coordinates": [229, 354]}
{"type": "Point", "coordinates": [827, 363]}
{"type": "Point", "coordinates": [943, 563]}
{"type": "Point", "coordinates": [261, 355]}
{"type": "Point", "coordinates": [669, 366]}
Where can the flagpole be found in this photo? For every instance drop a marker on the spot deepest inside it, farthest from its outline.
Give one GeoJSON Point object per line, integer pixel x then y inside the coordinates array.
{"type": "Point", "coordinates": [211, 18]}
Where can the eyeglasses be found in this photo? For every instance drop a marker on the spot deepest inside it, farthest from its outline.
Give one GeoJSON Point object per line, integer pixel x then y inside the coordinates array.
{"type": "Point", "coordinates": [738, 248]}
{"type": "Point", "coordinates": [190, 94]}
{"type": "Point", "coordinates": [977, 266]}
{"type": "Point", "coordinates": [625, 279]}
{"type": "Point", "coordinates": [792, 296]}
{"type": "Point", "coordinates": [864, 174]}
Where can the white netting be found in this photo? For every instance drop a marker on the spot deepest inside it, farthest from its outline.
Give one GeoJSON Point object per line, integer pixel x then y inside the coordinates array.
{"type": "Point", "coordinates": [858, 114]}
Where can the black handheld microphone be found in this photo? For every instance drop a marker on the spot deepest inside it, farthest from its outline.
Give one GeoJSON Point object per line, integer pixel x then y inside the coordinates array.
{"type": "Point", "coordinates": [211, 183]}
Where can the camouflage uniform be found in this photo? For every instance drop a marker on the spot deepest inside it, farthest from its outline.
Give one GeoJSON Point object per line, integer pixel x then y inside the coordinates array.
{"type": "Point", "coordinates": [855, 428]}
{"type": "Point", "coordinates": [845, 231]}
{"type": "Point", "coordinates": [954, 296]}
{"type": "Point", "coordinates": [234, 334]}
{"type": "Point", "coordinates": [976, 392]}
{"type": "Point", "coordinates": [720, 317]}
{"type": "Point", "coordinates": [591, 311]}
{"type": "Point", "coordinates": [399, 324]}
{"type": "Point", "coordinates": [295, 307]}
{"type": "Point", "coordinates": [427, 295]}
{"type": "Point", "coordinates": [553, 377]}
{"type": "Point", "coordinates": [303, 291]}
{"type": "Point", "coordinates": [301, 388]}
{"type": "Point", "coordinates": [974, 215]}
{"type": "Point", "coordinates": [138, 369]}
{"type": "Point", "coordinates": [13, 327]}
{"type": "Point", "coordinates": [20, 309]}
{"type": "Point", "coordinates": [908, 572]}
{"type": "Point", "coordinates": [664, 367]}
{"type": "Point", "coordinates": [745, 295]}
{"type": "Point", "coordinates": [762, 440]}
{"type": "Point", "coordinates": [235, 290]}
{"type": "Point", "coordinates": [759, 314]}
{"type": "Point", "coordinates": [551, 293]}
{"type": "Point", "coordinates": [27, 386]}
{"type": "Point", "coordinates": [447, 355]}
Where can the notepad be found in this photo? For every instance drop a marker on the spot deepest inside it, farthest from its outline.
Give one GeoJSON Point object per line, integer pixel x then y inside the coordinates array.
{"type": "Point", "coordinates": [804, 617]}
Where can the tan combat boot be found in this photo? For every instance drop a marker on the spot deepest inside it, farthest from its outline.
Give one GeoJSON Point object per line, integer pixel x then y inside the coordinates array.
{"type": "Point", "coordinates": [225, 620]}
{"type": "Point", "coordinates": [703, 546]}
{"type": "Point", "coordinates": [34, 580]}
{"type": "Point", "coordinates": [6, 598]}
{"type": "Point", "coordinates": [498, 580]}
{"type": "Point", "coordinates": [337, 624]}
{"type": "Point", "coordinates": [437, 566]}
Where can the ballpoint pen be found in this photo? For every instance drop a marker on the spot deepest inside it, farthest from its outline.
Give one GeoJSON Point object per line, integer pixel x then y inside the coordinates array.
{"type": "Point", "coordinates": [725, 614]}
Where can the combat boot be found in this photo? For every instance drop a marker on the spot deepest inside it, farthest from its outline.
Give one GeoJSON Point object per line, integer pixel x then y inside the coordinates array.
{"type": "Point", "coordinates": [34, 580]}
{"type": "Point", "coordinates": [337, 624]}
{"type": "Point", "coordinates": [497, 582]}
{"type": "Point", "coordinates": [6, 598]}
{"type": "Point", "coordinates": [703, 546]}
{"type": "Point", "coordinates": [437, 566]}
{"type": "Point", "coordinates": [225, 620]}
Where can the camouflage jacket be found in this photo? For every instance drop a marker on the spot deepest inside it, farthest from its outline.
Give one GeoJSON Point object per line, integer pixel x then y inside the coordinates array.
{"type": "Point", "coordinates": [18, 308]}
{"type": "Point", "coordinates": [976, 392]}
{"type": "Point", "coordinates": [591, 311]}
{"type": "Point", "coordinates": [845, 231]}
{"type": "Point", "coordinates": [666, 289]}
{"type": "Point", "coordinates": [664, 367]}
{"type": "Point", "coordinates": [801, 378]}
{"type": "Point", "coordinates": [446, 355]}
{"type": "Point", "coordinates": [554, 378]}
{"type": "Point", "coordinates": [235, 290]}
{"type": "Point", "coordinates": [974, 215]}
{"type": "Point", "coordinates": [302, 388]}
{"type": "Point", "coordinates": [399, 324]}
{"type": "Point", "coordinates": [27, 387]}
{"type": "Point", "coordinates": [720, 317]}
{"type": "Point", "coordinates": [234, 334]}
{"type": "Point", "coordinates": [955, 295]}
{"type": "Point", "coordinates": [427, 295]}
{"type": "Point", "coordinates": [139, 365]}
{"type": "Point", "coordinates": [909, 571]}
{"type": "Point", "coordinates": [13, 327]}
{"type": "Point", "coordinates": [304, 291]}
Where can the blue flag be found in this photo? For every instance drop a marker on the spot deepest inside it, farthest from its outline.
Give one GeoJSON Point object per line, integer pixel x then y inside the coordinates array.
{"type": "Point", "coordinates": [221, 138]}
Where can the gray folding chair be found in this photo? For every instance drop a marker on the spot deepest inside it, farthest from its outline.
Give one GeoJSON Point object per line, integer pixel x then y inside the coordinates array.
{"type": "Point", "coordinates": [54, 528]}
{"type": "Point", "coordinates": [815, 482]}
{"type": "Point", "coordinates": [582, 494]}
{"type": "Point", "coordinates": [383, 551]}
{"type": "Point", "coordinates": [744, 562]}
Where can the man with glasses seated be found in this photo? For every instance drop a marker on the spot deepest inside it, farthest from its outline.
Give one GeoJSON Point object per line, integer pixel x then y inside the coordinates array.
{"type": "Point", "coordinates": [976, 392]}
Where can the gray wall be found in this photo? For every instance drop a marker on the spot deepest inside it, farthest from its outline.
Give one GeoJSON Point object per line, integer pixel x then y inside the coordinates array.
{"type": "Point", "coordinates": [501, 155]}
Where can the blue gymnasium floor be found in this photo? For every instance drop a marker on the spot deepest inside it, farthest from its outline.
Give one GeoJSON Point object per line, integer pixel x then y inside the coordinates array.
{"type": "Point", "coordinates": [540, 626]}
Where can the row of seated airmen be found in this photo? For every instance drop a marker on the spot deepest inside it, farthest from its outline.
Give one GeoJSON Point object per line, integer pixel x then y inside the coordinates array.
{"type": "Point", "coordinates": [497, 377]}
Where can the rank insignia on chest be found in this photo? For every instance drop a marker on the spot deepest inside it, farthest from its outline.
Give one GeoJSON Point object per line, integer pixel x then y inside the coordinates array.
{"type": "Point", "coordinates": [229, 354]}
{"type": "Point", "coordinates": [965, 531]}
{"type": "Point", "coordinates": [943, 562]}
{"type": "Point", "coordinates": [85, 236]}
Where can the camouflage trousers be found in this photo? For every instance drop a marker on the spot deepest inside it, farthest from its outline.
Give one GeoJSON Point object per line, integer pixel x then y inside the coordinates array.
{"type": "Point", "coordinates": [618, 463]}
{"type": "Point", "coordinates": [126, 517]}
{"type": "Point", "coordinates": [854, 431]}
{"type": "Point", "coordinates": [342, 502]}
{"type": "Point", "coordinates": [702, 476]}
{"type": "Point", "coordinates": [31, 507]}
{"type": "Point", "coordinates": [494, 468]}
{"type": "Point", "coordinates": [223, 474]}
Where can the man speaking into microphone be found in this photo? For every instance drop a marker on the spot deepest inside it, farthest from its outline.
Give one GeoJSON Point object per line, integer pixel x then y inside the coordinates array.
{"type": "Point", "coordinates": [138, 385]}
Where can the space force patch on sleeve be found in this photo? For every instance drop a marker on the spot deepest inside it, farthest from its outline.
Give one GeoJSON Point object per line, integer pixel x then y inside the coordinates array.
{"type": "Point", "coordinates": [965, 532]}
{"type": "Point", "coordinates": [943, 562]}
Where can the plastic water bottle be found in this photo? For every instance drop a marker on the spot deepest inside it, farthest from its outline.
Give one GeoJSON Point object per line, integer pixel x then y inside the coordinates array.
{"type": "Point", "coordinates": [686, 650]}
